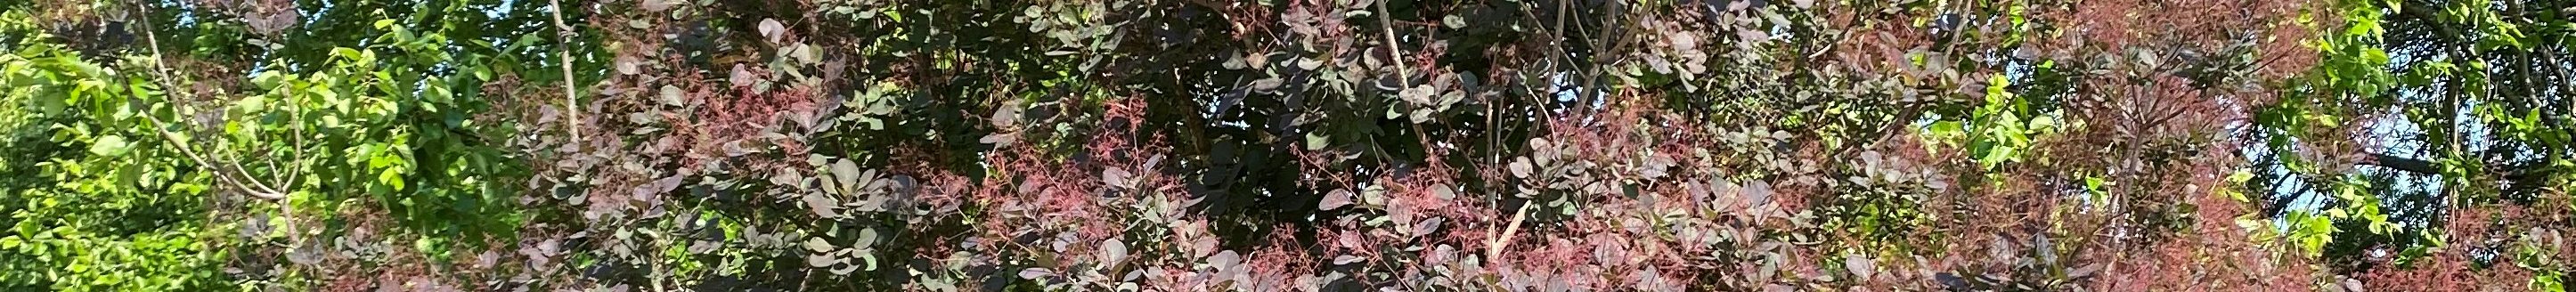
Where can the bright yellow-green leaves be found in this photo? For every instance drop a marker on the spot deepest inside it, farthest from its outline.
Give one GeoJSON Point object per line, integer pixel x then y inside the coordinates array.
{"type": "Point", "coordinates": [2001, 128]}
{"type": "Point", "coordinates": [117, 206]}
{"type": "Point", "coordinates": [105, 207]}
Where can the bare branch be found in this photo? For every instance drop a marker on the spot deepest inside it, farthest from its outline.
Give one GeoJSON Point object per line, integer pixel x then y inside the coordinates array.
{"type": "Point", "coordinates": [572, 102]}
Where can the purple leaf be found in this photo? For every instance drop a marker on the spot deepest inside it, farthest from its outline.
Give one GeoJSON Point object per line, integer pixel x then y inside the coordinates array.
{"type": "Point", "coordinates": [1113, 251]}
{"type": "Point", "coordinates": [773, 30]}
{"type": "Point", "coordinates": [1860, 266]}
{"type": "Point", "coordinates": [847, 173]}
{"type": "Point", "coordinates": [665, 185]}
{"type": "Point", "coordinates": [1225, 260]}
{"type": "Point", "coordinates": [742, 76]}
{"type": "Point", "coordinates": [819, 260]}
{"type": "Point", "coordinates": [1035, 273]}
{"type": "Point", "coordinates": [998, 139]}
{"type": "Point", "coordinates": [1115, 177]}
{"type": "Point", "coordinates": [818, 245]}
{"type": "Point", "coordinates": [1520, 167]}
{"type": "Point", "coordinates": [1006, 115]}
{"type": "Point", "coordinates": [822, 205]}
{"type": "Point", "coordinates": [1758, 193]}
{"type": "Point", "coordinates": [1336, 199]}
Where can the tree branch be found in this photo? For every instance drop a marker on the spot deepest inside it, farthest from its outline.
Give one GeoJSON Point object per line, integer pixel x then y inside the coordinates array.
{"type": "Point", "coordinates": [1494, 248]}
{"type": "Point", "coordinates": [572, 102]}
{"type": "Point", "coordinates": [161, 74]}
{"type": "Point", "coordinates": [2400, 163]}
{"type": "Point", "coordinates": [2425, 167]}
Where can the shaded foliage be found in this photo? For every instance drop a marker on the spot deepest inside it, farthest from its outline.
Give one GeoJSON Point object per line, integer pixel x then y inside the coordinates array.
{"type": "Point", "coordinates": [1298, 145]}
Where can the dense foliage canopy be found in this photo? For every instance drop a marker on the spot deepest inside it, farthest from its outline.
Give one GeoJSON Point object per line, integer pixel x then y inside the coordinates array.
{"type": "Point", "coordinates": [1287, 145]}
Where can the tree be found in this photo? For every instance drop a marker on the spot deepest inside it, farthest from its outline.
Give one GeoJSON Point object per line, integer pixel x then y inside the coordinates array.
{"type": "Point", "coordinates": [1310, 145]}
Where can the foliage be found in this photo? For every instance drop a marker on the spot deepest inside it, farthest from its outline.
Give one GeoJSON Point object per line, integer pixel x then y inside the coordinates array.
{"type": "Point", "coordinates": [1299, 145]}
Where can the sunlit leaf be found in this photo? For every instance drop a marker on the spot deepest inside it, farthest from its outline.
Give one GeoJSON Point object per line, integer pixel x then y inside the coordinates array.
{"type": "Point", "coordinates": [823, 205]}
{"type": "Point", "coordinates": [1036, 273]}
{"type": "Point", "coordinates": [818, 245]}
{"type": "Point", "coordinates": [847, 173]}
{"type": "Point", "coordinates": [109, 145]}
{"type": "Point", "coordinates": [1336, 199]}
{"type": "Point", "coordinates": [1860, 266]}
{"type": "Point", "coordinates": [1520, 167]}
{"type": "Point", "coordinates": [1113, 251]}
{"type": "Point", "coordinates": [819, 260]}
{"type": "Point", "coordinates": [772, 30]}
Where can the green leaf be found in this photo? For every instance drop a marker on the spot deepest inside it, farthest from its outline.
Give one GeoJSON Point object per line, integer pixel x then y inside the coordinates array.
{"type": "Point", "coordinates": [1995, 156]}
{"type": "Point", "coordinates": [110, 145]}
{"type": "Point", "coordinates": [344, 52]}
{"type": "Point", "coordinates": [1945, 129]}
{"type": "Point", "coordinates": [392, 178]}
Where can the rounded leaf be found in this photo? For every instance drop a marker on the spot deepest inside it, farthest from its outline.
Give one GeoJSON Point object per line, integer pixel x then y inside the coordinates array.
{"type": "Point", "coordinates": [1520, 167]}
{"type": "Point", "coordinates": [818, 245]}
{"type": "Point", "coordinates": [846, 172]}
{"type": "Point", "coordinates": [1860, 266]}
{"type": "Point", "coordinates": [673, 96]}
{"type": "Point", "coordinates": [1113, 251]}
{"type": "Point", "coordinates": [773, 30]}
